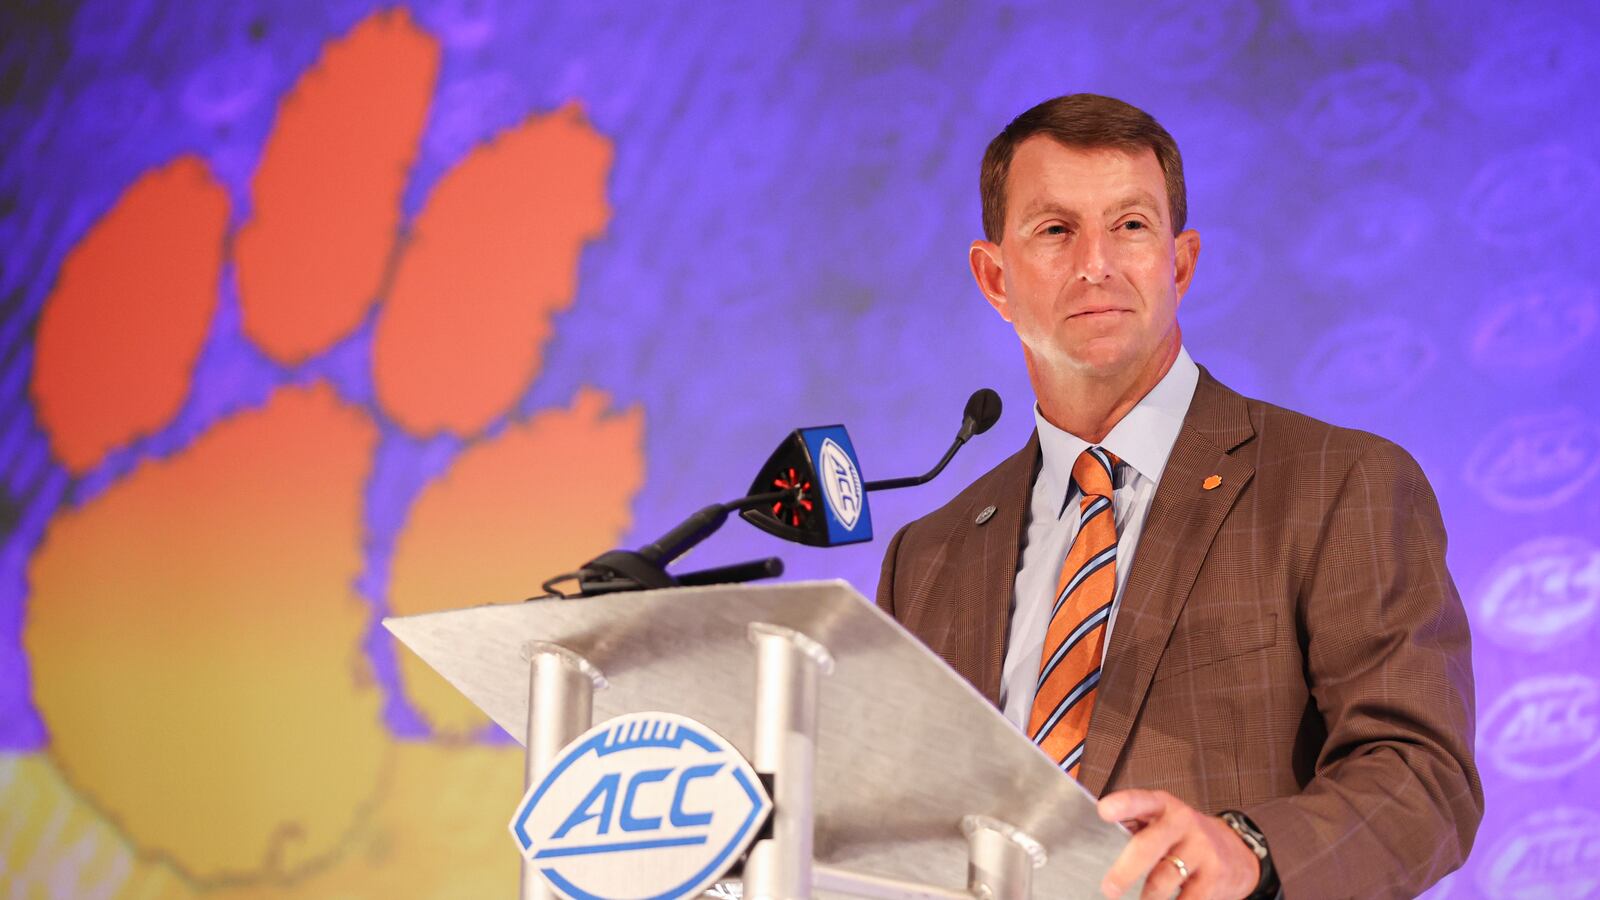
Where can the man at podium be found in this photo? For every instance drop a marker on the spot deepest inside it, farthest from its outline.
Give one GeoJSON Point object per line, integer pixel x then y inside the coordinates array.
{"type": "Point", "coordinates": [1229, 620]}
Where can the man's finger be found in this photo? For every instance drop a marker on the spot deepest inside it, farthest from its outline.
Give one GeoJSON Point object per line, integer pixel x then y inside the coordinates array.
{"type": "Point", "coordinates": [1202, 885]}
{"type": "Point", "coordinates": [1197, 888]}
{"type": "Point", "coordinates": [1164, 880]}
{"type": "Point", "coordinates": [1143, 853]}
{"type": "Point", "coordinates": [1133, 804]}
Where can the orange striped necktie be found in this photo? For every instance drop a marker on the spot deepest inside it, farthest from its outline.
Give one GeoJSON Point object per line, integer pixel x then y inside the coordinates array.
{"type": "Point", "coordinates": [1069, 667]}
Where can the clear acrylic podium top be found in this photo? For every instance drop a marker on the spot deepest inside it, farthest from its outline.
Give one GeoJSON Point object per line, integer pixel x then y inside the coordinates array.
{"type": "Point", "coordinates": [906, 747]}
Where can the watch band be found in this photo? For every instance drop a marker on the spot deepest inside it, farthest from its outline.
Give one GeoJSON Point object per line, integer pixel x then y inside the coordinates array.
{"type": "Point", "coordinates": [1267, 887]}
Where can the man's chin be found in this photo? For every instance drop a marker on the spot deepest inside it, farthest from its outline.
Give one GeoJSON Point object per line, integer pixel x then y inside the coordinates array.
{"type": "Point", "coordinates": [1102, 363]}
{"type": "Point", "coordinates": [1116, 357]}
{"type": "Point", "coordinates": [1097, 361]}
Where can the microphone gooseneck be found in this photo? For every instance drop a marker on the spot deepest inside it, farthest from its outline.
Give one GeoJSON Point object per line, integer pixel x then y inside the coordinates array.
{"type": "Point", "coordinates": [983, 410]}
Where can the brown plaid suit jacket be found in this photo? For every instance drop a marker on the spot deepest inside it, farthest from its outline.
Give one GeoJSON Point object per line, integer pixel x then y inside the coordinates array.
{"type": "Point", "coordinates": [1288, 644]}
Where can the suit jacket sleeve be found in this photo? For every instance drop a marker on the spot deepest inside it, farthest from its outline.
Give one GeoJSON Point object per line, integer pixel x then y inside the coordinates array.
{"type": "Point", "coordinates": [886, 577]}
{"type": "Point", "coordinates": [1394, 799]}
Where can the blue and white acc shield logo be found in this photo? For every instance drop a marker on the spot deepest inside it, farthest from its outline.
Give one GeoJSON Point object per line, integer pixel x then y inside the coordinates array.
{"type": "Point", "coordinates": [645, 805]}
{"type": "Point", "coordinates": [844, 495]}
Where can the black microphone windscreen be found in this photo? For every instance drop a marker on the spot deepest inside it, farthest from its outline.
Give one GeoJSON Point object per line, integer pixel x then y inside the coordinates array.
{"type": "Point", "coordinates": [983, 408]}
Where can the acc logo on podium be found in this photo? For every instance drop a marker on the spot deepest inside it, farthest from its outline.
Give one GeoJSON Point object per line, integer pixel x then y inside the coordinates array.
{"type": "Point", "coordinates": [644, 805]}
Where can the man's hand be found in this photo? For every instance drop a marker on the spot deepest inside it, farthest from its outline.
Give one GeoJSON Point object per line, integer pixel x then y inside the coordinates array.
{"type": "Point", "coordinates": [1220, 866]}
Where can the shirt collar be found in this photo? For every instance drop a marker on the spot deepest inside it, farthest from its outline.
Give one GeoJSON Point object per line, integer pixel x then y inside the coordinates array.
{"type": "Point", "coordinates": [1142, 440]}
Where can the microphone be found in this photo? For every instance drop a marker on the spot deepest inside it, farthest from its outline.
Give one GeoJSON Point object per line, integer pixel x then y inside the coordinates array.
{"type": "Point", "coordinates": [809, 491]}
{"type": "Point", "coordinates": [813, 456]}
{"type": "Point", "coordinates": [983, 410]}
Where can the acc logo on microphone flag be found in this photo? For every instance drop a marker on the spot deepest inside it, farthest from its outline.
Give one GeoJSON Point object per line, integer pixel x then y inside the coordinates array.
{"type": "Point", "coordinates": [843, 494]}
{"type": "Point", "coordinates": [644, 805]}
{"type": "Point", "coordinates": [842, 483]}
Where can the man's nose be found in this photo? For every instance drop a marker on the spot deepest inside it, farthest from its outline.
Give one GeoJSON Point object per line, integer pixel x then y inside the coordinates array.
{"type": "Point", "coordinates": [1091, 260]}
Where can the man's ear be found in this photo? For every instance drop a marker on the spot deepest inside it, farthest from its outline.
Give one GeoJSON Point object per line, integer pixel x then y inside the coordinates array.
{"type": "Point", "coordinates": [1187, 247]}
{"type": "Point", "coordinates": [988, 268]}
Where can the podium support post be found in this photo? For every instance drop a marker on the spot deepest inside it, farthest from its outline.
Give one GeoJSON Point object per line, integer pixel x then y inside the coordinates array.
{"type": "Point", "coordinates": [788, 668]}
{"type": "Point", "coordinates": [561, 686]}
{"type": "Point", "coordinates": [1002, 859]}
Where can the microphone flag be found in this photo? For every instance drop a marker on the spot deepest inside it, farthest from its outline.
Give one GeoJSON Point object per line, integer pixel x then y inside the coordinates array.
{"type": "Point", "coordinates": [828, 503]}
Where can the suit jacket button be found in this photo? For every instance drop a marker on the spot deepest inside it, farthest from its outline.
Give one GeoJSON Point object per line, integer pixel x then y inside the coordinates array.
{"type": "Point", "coordinates": [986, 515]}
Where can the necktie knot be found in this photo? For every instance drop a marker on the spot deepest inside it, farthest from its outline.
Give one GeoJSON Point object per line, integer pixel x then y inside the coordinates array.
{"type": "Point", "coordinates": [1094, 472]}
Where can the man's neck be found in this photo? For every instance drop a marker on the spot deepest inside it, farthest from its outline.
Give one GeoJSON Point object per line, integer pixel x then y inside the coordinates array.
{"type": "Point", "coordinates": [1089, 407]}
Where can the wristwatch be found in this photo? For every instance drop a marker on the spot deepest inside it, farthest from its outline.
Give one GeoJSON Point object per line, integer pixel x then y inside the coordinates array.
{"type": "Point", "coordinates": [1267, 887]}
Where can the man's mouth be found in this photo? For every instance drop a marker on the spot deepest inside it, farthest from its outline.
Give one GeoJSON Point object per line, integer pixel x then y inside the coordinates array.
{"type": "Point", "coordinates": [1097, 312]}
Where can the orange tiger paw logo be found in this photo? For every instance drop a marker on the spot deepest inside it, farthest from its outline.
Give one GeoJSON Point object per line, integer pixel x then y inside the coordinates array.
{"type": "Point", "coordinates": [196, 629]}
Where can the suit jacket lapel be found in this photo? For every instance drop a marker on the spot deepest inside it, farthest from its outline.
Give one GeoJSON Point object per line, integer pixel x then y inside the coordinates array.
{"type": "Point", "coordinates": [1177, 535]}
{"type": "Point", "coordinates": [996, 542]}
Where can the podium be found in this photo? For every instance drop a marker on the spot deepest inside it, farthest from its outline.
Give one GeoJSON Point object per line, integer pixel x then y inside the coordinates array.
{"type": "Point", "coordinates": [892, 776]}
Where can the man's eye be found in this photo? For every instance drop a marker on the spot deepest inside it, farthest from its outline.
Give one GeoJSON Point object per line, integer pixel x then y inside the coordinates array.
{"type": "Point", "coordinates": [1055, 229]}
{"type": "Point", "coordinates": [1134, 225]}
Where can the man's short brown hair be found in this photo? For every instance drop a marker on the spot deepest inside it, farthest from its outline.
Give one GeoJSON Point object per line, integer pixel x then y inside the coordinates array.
{"type": "Point", "coordinates": [1083, 121]}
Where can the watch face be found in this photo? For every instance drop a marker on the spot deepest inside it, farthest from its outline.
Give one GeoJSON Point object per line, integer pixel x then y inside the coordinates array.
{"type": "Point", "coordinates": [1268, 885]}
{"type": "Point", "coordinates": [1254, 839]}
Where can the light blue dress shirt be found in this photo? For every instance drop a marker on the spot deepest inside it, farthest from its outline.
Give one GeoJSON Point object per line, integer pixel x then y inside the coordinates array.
{"type": "Point", "coordinates": [1143, 441]}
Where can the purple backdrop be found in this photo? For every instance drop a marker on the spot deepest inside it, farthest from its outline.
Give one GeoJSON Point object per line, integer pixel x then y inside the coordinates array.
{"type": "Point", "coordinates": [1395, 200]}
